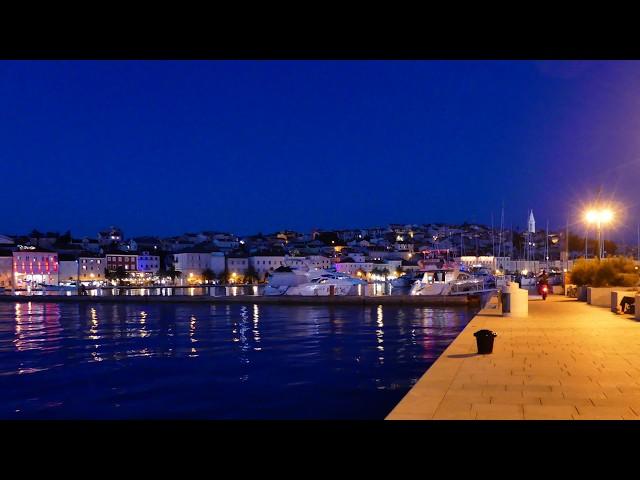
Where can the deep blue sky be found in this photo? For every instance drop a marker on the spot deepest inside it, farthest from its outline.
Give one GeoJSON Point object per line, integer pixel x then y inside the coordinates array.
{"type": "Point", "coordinates": [164, 147]}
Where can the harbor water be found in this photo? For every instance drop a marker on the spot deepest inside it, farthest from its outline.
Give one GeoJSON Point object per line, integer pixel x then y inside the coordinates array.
{"type": "Point", "coordinates": [200, 361]}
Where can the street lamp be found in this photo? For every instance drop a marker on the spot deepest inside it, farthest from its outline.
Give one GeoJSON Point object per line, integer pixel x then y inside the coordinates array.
{"type": "Point", "coordinates": [599, 217]}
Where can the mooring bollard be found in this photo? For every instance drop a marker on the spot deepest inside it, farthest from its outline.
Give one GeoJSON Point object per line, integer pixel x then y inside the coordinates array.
{"type": "Point", "coordinates": [506, 302]}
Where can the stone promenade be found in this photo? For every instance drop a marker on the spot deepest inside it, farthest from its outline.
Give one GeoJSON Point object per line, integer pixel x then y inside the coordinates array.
{"type": "Point", "coordinates": [566, 360]}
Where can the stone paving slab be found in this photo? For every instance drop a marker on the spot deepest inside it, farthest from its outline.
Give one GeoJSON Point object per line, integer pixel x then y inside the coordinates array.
{"type": "Point", "coordinates": [565, 360]}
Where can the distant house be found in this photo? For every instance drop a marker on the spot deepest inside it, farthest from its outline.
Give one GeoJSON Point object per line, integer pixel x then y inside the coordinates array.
{"type": "Point", "coordinates": [110, 235]}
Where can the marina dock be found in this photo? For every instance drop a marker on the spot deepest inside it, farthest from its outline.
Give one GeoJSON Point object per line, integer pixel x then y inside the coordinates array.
{"type": "Point", "coordinates": [417, 300]}
{"type": "Point", "coordinates": [566, 360]}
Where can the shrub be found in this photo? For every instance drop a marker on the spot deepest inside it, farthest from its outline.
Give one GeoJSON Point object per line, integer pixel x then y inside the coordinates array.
{"type": "Point", "coordinates": [583, 272]}
{"type": "Point", "coordinates": [618, 271]}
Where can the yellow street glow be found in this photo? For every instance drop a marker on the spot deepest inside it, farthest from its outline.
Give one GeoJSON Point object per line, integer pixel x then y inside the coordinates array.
{"type": "Point", "coordinates": [592, 216]}
{"type": "Point", "coordinates": [599, 216]}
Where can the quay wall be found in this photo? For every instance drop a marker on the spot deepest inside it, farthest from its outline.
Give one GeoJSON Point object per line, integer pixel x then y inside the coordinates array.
{"type": "Point", "coordinates": [274, 300]}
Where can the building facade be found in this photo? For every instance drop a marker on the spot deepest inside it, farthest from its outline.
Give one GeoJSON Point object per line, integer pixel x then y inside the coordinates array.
{"type": "Point", "coordinates": [6, 270]}
{"type": "Point", "coordinates": [126, 260]}
{"type": "Point", "coordinates": [148, 263]}
{"type": "Point", "coordinates": [191, 265]}
{"type": "Point", "coordinates": [32, 267]}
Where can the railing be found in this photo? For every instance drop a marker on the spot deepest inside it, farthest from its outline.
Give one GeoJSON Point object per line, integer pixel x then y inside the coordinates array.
{"type": "Point", "coordinates": [469, 287]}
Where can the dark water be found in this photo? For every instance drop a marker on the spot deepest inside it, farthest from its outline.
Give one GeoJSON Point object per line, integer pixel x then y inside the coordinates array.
{"type": "Point", "coordinates": [77, 361]}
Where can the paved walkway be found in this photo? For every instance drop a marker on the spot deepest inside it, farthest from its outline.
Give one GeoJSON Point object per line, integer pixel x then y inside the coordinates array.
{"type": "Point", "coordinates": [566, 360]}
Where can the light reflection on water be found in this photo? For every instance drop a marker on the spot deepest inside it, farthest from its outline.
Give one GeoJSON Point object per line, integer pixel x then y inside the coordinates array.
{"type": "Point", "coordinates": [215, 361]}
{"type": "Point", "coordinates": [371, 289]}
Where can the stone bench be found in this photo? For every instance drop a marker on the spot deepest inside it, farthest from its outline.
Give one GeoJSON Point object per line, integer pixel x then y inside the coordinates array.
{"type": "Point", "coordinates": [599, 296]}
{"type": "Point", "coordinates": [582, 293]}
{"type": "Point", "coordinates": [617, 295]}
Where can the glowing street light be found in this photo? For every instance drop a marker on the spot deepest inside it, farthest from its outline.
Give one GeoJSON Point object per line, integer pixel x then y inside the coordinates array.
{"type": "Point", "coordinates": [599, 217]}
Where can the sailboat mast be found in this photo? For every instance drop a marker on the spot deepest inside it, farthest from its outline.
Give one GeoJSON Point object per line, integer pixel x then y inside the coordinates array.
{"type": "Point", "coordinates": [493, 243]}
{"type": "Point", "coordinates": [501, 228]}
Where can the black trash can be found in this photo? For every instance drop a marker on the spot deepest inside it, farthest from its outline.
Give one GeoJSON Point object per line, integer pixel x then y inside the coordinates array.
{"type": "Point", "coordinates": [484, 339]}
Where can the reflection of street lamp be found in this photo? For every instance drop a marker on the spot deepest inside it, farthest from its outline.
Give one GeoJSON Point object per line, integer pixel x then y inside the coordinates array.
{"type": "Point", "coordinates": [599, 217]}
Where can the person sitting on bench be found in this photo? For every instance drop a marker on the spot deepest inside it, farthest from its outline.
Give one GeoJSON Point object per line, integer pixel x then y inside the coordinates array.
{"type": "Point", "coordinates": [627, 303]}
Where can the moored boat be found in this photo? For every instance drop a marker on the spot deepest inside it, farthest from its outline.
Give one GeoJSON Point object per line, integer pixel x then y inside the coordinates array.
{"type": "Point", "coordinates": [450, 280]}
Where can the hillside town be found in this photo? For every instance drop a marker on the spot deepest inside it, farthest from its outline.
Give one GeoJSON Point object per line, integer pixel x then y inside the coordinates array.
{"type": "Point", "coordinates": [53, 258]}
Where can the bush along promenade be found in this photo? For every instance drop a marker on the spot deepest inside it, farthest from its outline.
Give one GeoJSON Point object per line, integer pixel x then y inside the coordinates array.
{"type": "Point", "coordinates": [603, 282]}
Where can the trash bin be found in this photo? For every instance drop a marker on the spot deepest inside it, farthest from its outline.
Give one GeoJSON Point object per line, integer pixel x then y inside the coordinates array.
{"type": "Point", "coordinates": [484, 339]}
{"type": "Point", "coordinates": [506, 302]}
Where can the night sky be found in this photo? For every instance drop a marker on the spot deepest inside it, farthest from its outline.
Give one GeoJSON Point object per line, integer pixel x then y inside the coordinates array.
{"type": "Point", "coordinates": [163, 147]}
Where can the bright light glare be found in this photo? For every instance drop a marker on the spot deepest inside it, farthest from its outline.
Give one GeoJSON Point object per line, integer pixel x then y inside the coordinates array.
{"type": "Point", "coordinates": [602, 216]}
{"type": "Point", "coordinates": [592, 216]}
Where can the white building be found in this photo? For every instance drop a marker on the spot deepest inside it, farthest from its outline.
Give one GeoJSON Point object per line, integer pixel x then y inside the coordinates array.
{"type": "Point", "coordinates": [148, 263]}
{"type": "Point", "coordinates": [218, 262]}
{"type": "Point", "coordinates": [68, 271]}
{"type": "Point", "coordinates": [264, 264]}
{"type": "Point", "coordinates": [352, 268]}
{"type": "Point", "coordinates": [191, 265]}
{"type": "Point", "coordinates": [488, 261]}
{"type": "Point", "coordinates": [237, 266]}
{"type": "Point", "coordinates": [310, 261]}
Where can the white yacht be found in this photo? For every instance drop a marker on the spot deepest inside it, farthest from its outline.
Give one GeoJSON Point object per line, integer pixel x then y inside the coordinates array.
{"type": "Point", "coordinates": [58, 288]}
{"type": "Point", "coordinates": [450, 280]}
{"type": "Point", "coordinates": [328, 284]}
{"type": "Point", "coordinates": [283, 278]}
{"type": "Point", "coordinates": [405, 280]}
{"type": "Point", "coordinates": [312, 282]}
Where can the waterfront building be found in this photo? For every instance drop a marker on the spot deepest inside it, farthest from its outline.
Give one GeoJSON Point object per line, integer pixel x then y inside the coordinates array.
{"type": "Point", "coordinates": [92, 267]}
{"type": "Point", "coordinates": [264, 264]}
{"type": "Point", "coordinates": [148, 263]}
{"type": "Point", "coordinates": [488, 261]}
{"type": "Point", "coordinates": [6, 269]}
{"type": "Point", "coordinates": [218, 262]}
{"type": "Point", "coordinates": [350, 267]}
{"type": "Point", "coordinates": [191, 263]}
{"type": "Point", "coordinates": [237, 265]}
{"type": "Point", "coordinates": [67, 268]}
{"type": "Point", "coordinates": [87, 267]}
{"type": "Point", "coordinates": [32, 266]}
{"type": "Point", "coordinates": [128, 261]}
{"type": "Point", "coordinates": [309, 261]}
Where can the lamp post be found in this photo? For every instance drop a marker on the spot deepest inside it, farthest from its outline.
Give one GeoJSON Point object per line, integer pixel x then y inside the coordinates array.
{"type": "Point", "coordinates": [599, 217]}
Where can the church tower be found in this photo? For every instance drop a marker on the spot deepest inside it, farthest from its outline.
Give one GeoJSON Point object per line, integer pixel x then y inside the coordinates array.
{"type": "Point", "coordinates": [532, 223]}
